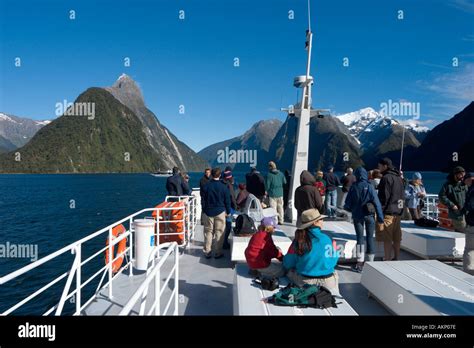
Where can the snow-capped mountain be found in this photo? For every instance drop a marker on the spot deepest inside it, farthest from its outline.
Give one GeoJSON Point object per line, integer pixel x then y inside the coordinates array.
{"type": "Point", "coordinates": [369, 120]}
{"type": "Point", "coordinates": [18, 130]}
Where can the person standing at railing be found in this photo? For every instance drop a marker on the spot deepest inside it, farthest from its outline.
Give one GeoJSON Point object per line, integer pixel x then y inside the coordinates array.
{"type": "Point", "coordinates": [414, 194]}
{"type": "Point", "coordinates": [453, 195]}
{"type": "Point", "coordinates": [203, 182]}
{"type": "Point", "coordinates": [174, 183]}
{"type": "Point", "coordinates": [185, 184]}
{"type": "Point", "coordinates": [468, 211]}
{"type": "Point", "coordinates": [216, 206]}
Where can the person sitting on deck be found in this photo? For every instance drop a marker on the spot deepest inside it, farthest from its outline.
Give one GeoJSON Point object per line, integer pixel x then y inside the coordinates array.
{"type": "Point", "coordinates": [312, 257]}
{"type": "Point", "coordinates": [261, 250]}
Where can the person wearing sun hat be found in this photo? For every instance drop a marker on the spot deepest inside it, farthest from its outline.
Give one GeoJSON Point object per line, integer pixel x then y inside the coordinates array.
{"type": "Point", "coordinates": [261, 250]}
{"type": "Point", "coordinates": [312, 257]}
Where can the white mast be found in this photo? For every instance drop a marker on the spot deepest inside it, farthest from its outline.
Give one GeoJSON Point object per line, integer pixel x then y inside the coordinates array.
{"type": "Point", "coordinates": [303, 113]}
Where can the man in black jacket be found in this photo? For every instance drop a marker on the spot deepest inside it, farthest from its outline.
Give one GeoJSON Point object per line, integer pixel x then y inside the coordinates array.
{"type": "Point", "coordinates": [174, 183]}
{"type": "Point", "coordinates": [205, 179]}
{"type": "Point", "coordinates": [255, 183]}
{"type": "Point", "coordinates": [216, 206]}
{"type": "Point", "coordinates": [332, 182]}
{"type": "Point", "coordinates": [392, 196]}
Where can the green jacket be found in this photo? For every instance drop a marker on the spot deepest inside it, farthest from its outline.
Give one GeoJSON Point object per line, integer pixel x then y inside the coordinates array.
{"type": "Point", "coordinates": [453, 193]}
{"type": "Point", "coordinates": [274, 183]}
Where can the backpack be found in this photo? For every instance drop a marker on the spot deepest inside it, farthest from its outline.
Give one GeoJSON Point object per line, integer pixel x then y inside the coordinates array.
{"type": "Point", "coordinates": [306, 296]}
{"type": "Point", "coordinates": [244, 225]}
{"type": "Point", "coordinates": [426, 222]}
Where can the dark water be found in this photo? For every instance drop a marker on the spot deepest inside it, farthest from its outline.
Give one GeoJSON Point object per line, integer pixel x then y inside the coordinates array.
{"type": "Point", "coordinates": [52, 211]}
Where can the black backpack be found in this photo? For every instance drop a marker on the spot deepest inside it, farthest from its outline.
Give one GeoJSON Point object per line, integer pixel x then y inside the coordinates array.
{"type": "Point", "coordinates": [244, 225]}
{"type": "Point", "coordinates": [426, 222]}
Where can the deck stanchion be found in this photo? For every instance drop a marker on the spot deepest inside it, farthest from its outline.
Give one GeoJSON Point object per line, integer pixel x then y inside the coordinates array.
{"type": "Point", "coordinates": [110, 263]}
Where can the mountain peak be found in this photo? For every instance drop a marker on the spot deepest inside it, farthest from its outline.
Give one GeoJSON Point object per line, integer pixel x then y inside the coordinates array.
{"type": "Point", "coordinates": [128, 88]}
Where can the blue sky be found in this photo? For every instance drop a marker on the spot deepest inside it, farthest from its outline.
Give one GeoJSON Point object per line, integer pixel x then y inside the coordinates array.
{"type": "Point", "coordinates": [190, 62]}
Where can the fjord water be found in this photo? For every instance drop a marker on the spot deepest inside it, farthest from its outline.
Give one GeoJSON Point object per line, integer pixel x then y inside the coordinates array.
{"type": "Point", "coordinates": [52, 211]}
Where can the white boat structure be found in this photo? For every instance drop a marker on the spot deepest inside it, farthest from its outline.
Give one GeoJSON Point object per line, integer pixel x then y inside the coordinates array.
{"type": "Point", "coordinates": [178, 280]}
{"type": "Point", "coordinates": [162, 173]}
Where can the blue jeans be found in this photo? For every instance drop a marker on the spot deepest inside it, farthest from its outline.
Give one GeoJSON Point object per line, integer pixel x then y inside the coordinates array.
{"type": "Point", "coordinates": [331, 202]}
{"type": "Point", "coordinates": [369, 246]}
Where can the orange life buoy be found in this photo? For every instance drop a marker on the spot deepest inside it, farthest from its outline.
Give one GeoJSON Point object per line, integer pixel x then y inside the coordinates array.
{"type": "Point", "coordinates": [122, 245]}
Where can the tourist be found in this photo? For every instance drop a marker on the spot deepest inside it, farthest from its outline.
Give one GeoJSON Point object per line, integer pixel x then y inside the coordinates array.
{"type": "Point", "coordinates": [307, 195]}
{"type": "Point", "coordinates": [364, 204]}
{"type": "Point", "coordinates": [468, 211]}
{"type": "Point", "coordinates": [312, 258]}
{"type": "Point", "coordinates": [391, 193]}
{"type": "Point", "coordinates": [274, 183]}
{"type": "Point", "coordinates": [332, 183]}
{"type": "Point", "coordinates": [347, 180]}
{"type": "Point", "coordinates": [375, 178]}
{"type": "Point", "coordinates": [205, 179]}
{"type": "Point", "coordinates": [414, 194]}
{"type": "Point", "coordinates": [228, 180]}
{"type": "Point", "coordinates": [453, 195]}
{"type": "Point", "coordinates": [216, 206]}
{"type": "Point", "coordinates": [255, 183]}
{"type": "Point", "coordinates": [320, 184]}
{"type": "Point", "coordinates": [286, 189]}
{"type": "Point", "coordinates": [261, 250]}
{"type": "Point", "coordinates": [174, 183]}
{"type": "Point", "coordinates": [185, 184]}
{"type": "Point", "coordinates": [242, 196]}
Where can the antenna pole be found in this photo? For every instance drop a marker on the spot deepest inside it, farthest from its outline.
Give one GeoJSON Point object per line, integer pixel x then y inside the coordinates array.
{"type": "Point", "coordinates": [401, 152]}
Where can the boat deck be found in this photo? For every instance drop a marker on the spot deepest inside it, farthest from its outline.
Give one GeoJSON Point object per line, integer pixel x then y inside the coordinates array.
{"type": "Point", "coordinates": [205, 285]}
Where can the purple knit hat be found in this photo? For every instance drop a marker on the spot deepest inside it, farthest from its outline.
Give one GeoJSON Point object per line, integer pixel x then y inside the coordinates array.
{"type": "Point", "coordinates": [268, 221]}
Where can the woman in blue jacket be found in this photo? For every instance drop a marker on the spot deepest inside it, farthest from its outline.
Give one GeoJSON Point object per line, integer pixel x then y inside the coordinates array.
{"type": "Point", "coordinates": [312, 257]}
{"type": "Point", "coordinates": [362, 201]}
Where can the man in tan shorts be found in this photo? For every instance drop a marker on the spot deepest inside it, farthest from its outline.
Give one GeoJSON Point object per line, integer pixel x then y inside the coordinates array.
{"type": "Point", "coordinates": [391, 193]}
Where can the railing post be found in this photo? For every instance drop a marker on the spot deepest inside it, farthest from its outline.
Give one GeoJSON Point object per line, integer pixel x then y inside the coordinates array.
{"type": "Point", "coordinates": [131, 248]}
{"type": "Point", "coordinates": [176, 280]}
{"type": "Point", "coordinates": [110, 263]}
{"type": "Point", "coordinates": [78, 279]}
{"type": "Point", "coordinates": [157, 292]}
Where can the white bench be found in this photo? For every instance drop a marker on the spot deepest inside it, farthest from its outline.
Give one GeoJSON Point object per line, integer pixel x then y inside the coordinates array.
{"type": "Point", "coordinates": [239, 244]}
{"type": "Point", "coordinates": [432, 242]}
{"type": "Point", "coordinates": [248, 296]}
{"type": "Point", "coordinates": [420, 287]}
{"type": "Point", "coordinates": [343, 233]}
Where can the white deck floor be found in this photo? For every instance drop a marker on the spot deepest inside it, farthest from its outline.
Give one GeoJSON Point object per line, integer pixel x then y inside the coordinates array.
{"type": "Point", "coordinates": [206, 285]}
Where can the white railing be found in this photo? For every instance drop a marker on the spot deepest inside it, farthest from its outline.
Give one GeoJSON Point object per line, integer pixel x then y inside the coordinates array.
{"type": "Point", "coordinates": [78, 264]}
{"type": "Point", "coordinates": [154, 275]}
{"type": "Point", "coordinates": [430, 207]}
{"type": "Point", "coordinates": [189, 221]}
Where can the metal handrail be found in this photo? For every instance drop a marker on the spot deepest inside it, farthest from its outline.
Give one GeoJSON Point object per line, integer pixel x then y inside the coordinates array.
{"type": "Point", "coordinates": [155, 275]}
{"type": "Point", "coordinates": [76, 249]}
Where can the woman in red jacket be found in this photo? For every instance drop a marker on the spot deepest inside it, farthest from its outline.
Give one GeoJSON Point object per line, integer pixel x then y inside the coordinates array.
{"type": "Point", "coordinates": [261, 250]}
